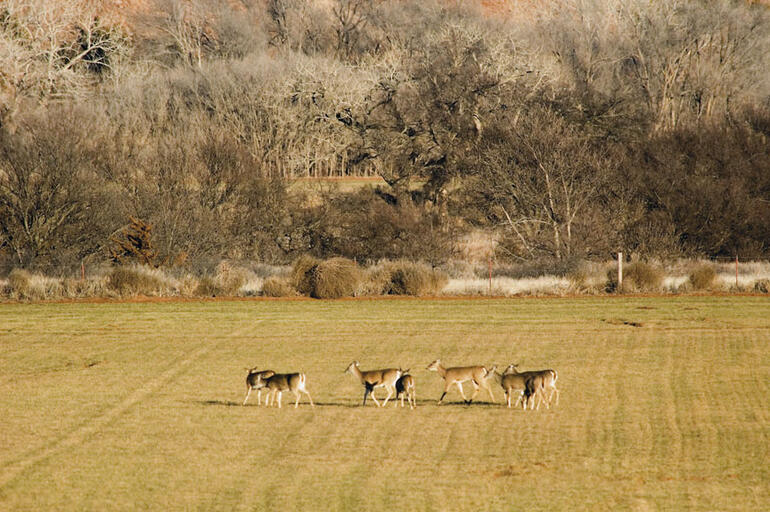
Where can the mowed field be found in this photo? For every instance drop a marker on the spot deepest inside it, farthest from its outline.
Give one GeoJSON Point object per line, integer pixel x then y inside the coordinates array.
{"type": "Point", "coordinates": [121, 406]}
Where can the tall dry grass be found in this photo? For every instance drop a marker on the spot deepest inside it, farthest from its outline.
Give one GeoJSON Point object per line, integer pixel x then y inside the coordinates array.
{"type": "Point", "coordinates": [338, 277]}
{"type": "Point", "coordinates": [404, 277]}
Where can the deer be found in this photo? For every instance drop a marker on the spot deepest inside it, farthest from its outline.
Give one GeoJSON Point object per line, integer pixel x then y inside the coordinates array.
{"type": "Point", "coordinates": [536, 386]}
{"type": "Point", "coordinates": [256, 380]}
{"type": "Point", "coordinates": [405, 386]}
{"type": "Point", "coordinates": [280, 382]}
{"type": "Point", "coordinates": [478, 376]}
{"type": "Point", "coordinates": [511, 380]}
{"type": "Point", "coordinates": [373, 379]}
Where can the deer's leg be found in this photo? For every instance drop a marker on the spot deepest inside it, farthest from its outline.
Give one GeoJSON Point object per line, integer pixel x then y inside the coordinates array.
{"type": "Point", "coordinates": [371, 393]}
{"type": "Point", "coordinates": [518, 399]}
{"type": "Point", "coordinates": [476, 388]}
{"type": "Point", "coordinates": [460, 388]}
{"type": "Point", "coordinates": [390, 393]}
{"type": "Point", "coordinates": [489, 390]}
{"type": "Point", "coordinates": [248, 392]}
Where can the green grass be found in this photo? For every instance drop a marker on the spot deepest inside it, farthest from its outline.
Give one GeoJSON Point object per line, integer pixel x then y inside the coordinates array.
{"type": "Point", "coordinates": [664, 405]}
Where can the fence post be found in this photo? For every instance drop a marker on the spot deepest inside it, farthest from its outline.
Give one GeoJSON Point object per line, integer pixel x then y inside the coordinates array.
{"type": "Point", "coordinates": [736, 271]}
{"type": "Point", "coordinates": [490, 274]}
{"type": "Point", "coordinates": [620, 271]}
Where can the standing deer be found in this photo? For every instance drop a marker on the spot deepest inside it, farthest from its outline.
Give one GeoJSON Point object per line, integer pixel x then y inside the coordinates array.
{"type": "Point", "coordinates": [405, 386]}
{"type": "Point", "coordinates": [280, 382]}
{"type": "Point", "coordinates": [511, 380]}
{"type": "Point", "coordinates": [536, 386]}
{"type": "Point", "coordinates": [373, 379]}
{"type": "Point", "coordinates": [478, 376]}
{"type": "Point", "coordinates": [256, 380]}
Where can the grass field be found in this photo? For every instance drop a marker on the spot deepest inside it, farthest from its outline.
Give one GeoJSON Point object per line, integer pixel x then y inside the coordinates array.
{"type": "Point", "coordinates": [664, 406]}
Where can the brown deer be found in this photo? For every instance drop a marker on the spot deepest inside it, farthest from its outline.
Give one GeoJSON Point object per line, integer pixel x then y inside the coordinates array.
{"type": "Point", "coordinates": [256, 380]}
{"type": "Point", "coordinates": [477, 375]}
{"type": "Point", "coordinates": [373, 379]}
{"type": "Point", "coordinates": [280, 382]}
{"type": "Point", "coordinates": [405, 386]}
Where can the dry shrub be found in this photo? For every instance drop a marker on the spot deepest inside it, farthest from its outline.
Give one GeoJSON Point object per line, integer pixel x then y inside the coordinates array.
{"type": "Point", "coordinates": [226, 283]}
{"type": "Point", "coordinates": [703, 276]}
{"type": "Point", "coordinates": [637, 277]}
{"type": "Point", "coordinates": [277, 287]}
{"type": "Point", "coordinates": [90, 287]}
{"type": "Point", "coordinates": [188, 285]}
{"type": "Point", "coordinates": [135, 281]}
{"type": "Point", "coordinates": [407, 278]}
{"type": "Point", "coordinates": [19, 281]}
{"type": "Point", "coordinates": [230, 278]}
{"type": "Point", "coordinates": [335, 278]}
{"type": "Point", "coordinates": [27, 286]}
{"type": "Point", "coordinates": [208, 287]}
{"type": "Point", "coordinates": [303, 273]}
{"type": "Point", "coordinates": [762, 286]}
{"type": "Point", "coordinates": [376, 280]}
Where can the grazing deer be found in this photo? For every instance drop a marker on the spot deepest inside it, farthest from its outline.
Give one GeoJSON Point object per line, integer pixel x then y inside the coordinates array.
{"type": "Point", "coordinates": [478, 376]}
{"type": "Point", "coordinates": [280, 382]}
{"type": "Point", "coordinates": [256, 380]}
{"type": "Point", "coordinates": [405, 386]}
{"type": "Point", "coordinates": [373, 379]}
{"type": "Point", "coordinates": [537, 385]}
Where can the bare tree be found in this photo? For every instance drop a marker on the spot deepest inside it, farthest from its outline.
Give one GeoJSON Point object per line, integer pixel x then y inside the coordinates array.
{"type": "Point", "coordinates": [538, 180]}
{"type": "Point", "coordinates": [56, 48]}
{"type": "Point", "coordinates": [675, 63]}
{"type": "Point", "coordinates": [422, 120]}
{"type": "Point", "coordinates": [47, 192]}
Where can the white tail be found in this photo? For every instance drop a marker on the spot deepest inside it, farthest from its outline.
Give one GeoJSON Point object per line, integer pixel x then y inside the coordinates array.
{"type": "Point", "coordinates": [373, 379]}
{"type": "Point", "coordinates": [405, 386]}
{"type": "Point", "coordinates": [280, 382]}
{"type": "Point", "coordinates": [477, 375]}
{"type": "Point", "coordinates": [256, 380]}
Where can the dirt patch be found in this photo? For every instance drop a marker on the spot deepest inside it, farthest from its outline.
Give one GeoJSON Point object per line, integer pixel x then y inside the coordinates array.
{"type": "Point", "coordinates": [620, 321]}
{"type": "Point", "coordinates": [519, 470]}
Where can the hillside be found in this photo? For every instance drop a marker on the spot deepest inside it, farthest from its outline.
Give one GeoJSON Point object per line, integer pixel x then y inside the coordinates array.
{"type": "Point", "coordinates": [562, 131]}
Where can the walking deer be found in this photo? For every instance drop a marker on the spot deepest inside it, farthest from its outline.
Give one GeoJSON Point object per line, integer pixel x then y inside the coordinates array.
{"type": "Point", "coordinates": [477, 375]}
{"type": "Point", "coordinates": [280, 382]}
{"type": "Point", "coordinates": [541, 381]}
{"type": "Point", "coordinates": [373, 379]}
{"type": "Point", "coordinates": [405, 386]}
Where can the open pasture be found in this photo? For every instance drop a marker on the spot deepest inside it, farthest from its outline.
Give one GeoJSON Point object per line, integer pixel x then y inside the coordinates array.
{"type": "Point", "coordinates": [664, 406]}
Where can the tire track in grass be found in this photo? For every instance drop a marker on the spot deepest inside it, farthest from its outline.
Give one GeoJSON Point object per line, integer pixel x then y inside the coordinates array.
{"type": "Point", "coordinates": [671, 438]}
{"type": "Point", "coordinates": [10, 472]}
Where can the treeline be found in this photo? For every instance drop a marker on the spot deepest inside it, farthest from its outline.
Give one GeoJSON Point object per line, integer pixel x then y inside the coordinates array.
{"type": "Point", "coordinates": [566, 130]}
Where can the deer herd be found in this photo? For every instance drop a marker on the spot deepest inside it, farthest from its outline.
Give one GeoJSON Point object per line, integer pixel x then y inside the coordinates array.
{"type": "Point", "coordinates": [528, 387]}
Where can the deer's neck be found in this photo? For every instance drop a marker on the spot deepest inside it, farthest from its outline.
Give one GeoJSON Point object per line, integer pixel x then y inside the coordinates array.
{"type": "Point", "coordinates": [358, 373]}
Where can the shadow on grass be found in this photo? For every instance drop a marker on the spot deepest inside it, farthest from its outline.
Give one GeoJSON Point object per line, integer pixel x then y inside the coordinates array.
{"type": "Point", "coordinates": [351, 405]}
